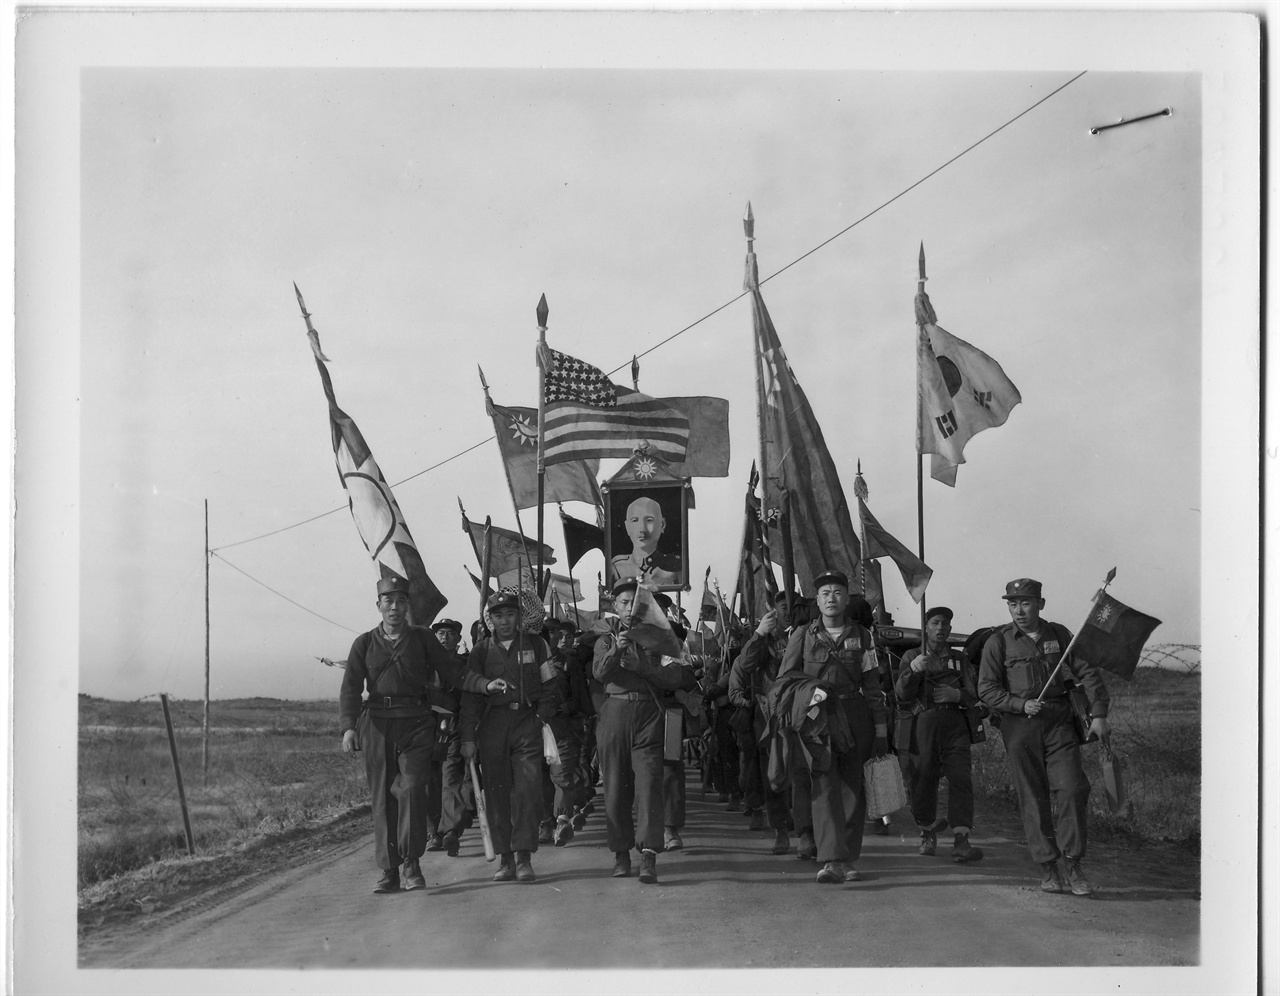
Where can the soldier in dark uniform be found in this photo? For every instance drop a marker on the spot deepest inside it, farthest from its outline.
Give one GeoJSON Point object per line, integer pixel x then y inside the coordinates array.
{"type": "Point", "coordinates": [506, 732]}
{"type": "Point", "coordinates": [563, 783]}
{"type": "Point", "coordinates": [630, 739]}
{"type": "Point", "coordinates": [446, 790]}
{"type": "Point", "coordinates": [398, 730]}
{"type": "Point", "coordinates": [749, 680]}
{"type": "Point", "coordinates": [936, 687]}
{"type": "Point", "coordinates": [1039, 733]}
{"type": "Point", "coordinates": [834, 655]}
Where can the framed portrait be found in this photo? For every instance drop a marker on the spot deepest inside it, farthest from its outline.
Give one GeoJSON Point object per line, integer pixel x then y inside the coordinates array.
{"type": "Point", "coordinates": [646, 525]}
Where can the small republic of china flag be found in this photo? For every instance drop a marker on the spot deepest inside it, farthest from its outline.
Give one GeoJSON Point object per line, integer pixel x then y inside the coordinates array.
{"type": "Point", "coordinates": [1113, 636]}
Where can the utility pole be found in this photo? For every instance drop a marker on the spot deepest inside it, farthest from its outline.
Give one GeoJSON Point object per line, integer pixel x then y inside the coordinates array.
{"type": "Point", "coordinates": [204, 748]}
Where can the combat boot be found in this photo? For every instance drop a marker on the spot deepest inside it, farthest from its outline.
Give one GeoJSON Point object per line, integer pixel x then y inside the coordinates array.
{"type": "Point", "coordinates": [621, 864]}
{"type": "Point", "coordinates": [524, 867]}
{"type": "Point", "coordinates": [547, 832]}
{"type": "Point", "coordinates": [564, 832]}
{"type": "Point", "coordinates": [451, 844]}
{"type": "Point", "coordinates": [929, 837]}
{"type": "Point", "coordinates": [411, 872]}
{"type": "Point", "coordinates": [506, 869]}
{"type": "Point", "coordinates": [649, 867]}
{"type": "Point", "coordinates": [781, 842]}
{"type": "Point", "coordinates": [735, 804]}
{"type": "Point", "coordinates": [1076, 880]}
{"type": "Point", "coordinates": [807, 847]}
{"type": "Point", "coordinates": [758, 821]}
{"type": "Point", "coordinates": [579, 818]}
{"type": "Point", "coordinates": [671, 839]}
{"type": "Point", "coordinates": [389, 882]}
{"type": "Point", "coordinates": [851, 873]}
{"type": "Point", "coordinates": [1052, 877]}
{"type": "Point", "coordinates": [436, 842]}
{"type": "Point", "coordinates": [962, 851]}
{"type": "Point", "coordinates": [831, 873]}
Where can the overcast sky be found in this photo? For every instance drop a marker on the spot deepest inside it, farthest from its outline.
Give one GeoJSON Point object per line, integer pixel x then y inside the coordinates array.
{"type": "Point", "coordinates": [423, 211]}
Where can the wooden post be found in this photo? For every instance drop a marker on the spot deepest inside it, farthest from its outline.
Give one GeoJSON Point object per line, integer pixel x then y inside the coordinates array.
{"type": "Point", "coordinates": [177, 773]}
{"type": "Point", "coordinates": [920, 281]}
{"type": "Point", "coordinates": [542, 312]}
{"type": "Point", "coordinates": [204, 746]}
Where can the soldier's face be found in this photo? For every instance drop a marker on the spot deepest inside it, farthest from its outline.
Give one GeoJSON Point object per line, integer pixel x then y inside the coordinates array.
{"type": "Point", "coordinates": [937, 629]}
{"type": "Point", "coordinates": [504, 622]}
{"type": "Point", "coordinates": [1025, 612]}
{"type": "Point", "coordinates": [394, 608]}
{"type": "Point", "coordinates": [448, 639]}
{"type": "Point", "coordinates": [833, 599]}
{"type": "Point", "coordinates": [645, 524]}
{"type": "Point", "coordinates": [622, 603]}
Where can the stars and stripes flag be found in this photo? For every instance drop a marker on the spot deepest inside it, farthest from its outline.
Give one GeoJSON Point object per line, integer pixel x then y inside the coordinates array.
{"type": "Point", "coordinates": [377, 515]}
{"type": "Point", "coordinates": [961, 391]}
{"type": "Point", "coordinates": [517, 432]}
{"type": "Point", "coordinates": [588, 417]}
{"type": "Point", "coordinates": [1113, 636]}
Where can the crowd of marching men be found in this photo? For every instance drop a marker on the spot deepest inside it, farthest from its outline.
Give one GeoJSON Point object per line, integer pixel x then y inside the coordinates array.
{"type": "Point", "coordinates": [553, 725]}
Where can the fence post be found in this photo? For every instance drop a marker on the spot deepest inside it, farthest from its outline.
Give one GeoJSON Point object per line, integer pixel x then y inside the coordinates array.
{"type": "Point", "coordinates": [177, 773]}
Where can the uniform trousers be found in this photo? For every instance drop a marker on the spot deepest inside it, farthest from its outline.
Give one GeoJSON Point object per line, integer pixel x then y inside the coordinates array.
{"type": "Point", "coordinates": [397, 762]}
{"type": "Point", "coordinates": [510, 747]}
{"type": "Point", "coordinates": [451, 813]}
{"type": "Point", "coordinates": [563, 784]}
{"type": "Point", "coordinates": [720, 765]}
{"type": "Point", "coordinates": [673, 793]}
{"type": "Point", "coordinates": [629, 735]}
{"type": "Point", "coordinates": [1044, 756]}
{"type": "Point", "coordinates": [801, 792]}
{"type": "Point", "coordinates": [839, 802]}
{"type": "Point", "coordinates": [753, 777]}
{"type": "Point", "coordinates": [942, 739]}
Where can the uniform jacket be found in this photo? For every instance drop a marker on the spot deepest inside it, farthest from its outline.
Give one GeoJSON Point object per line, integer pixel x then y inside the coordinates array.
{"type": "Point", "coordinates": [1015, 669]}
{"type": "Point", "coordinates": [521, 666]}
{"type": "Point", "coordinates": [414, 667]}
{"type": "Point", "coordinates": [635, 669]}
{"type": "Point", "coordinates": [914, 688]}
{"type": "Point", "coordinates": [756, 667]}
{"type": "Point", "coordinates": [841, 666]}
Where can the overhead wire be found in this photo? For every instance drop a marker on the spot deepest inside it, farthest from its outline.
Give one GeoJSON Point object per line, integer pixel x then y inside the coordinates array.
{"type": "Point", "coordinates": [283, 595]}
{"type": "Point", "coordinates": [714, 311]}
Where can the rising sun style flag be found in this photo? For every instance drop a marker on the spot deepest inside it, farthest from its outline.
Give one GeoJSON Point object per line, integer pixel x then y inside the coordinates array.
{"type": "Point", "coordinates": [377, 515]}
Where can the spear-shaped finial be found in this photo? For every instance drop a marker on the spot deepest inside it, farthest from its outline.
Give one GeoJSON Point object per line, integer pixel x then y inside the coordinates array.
{"type": "Point", "coordinates": [543, 311]}
{"type": "Point", "coordinates": [1111, 575]}
{"type": "Point", "coordinates": [312, 335]}
{"type": "Point", "coordinates": [860, 489]}
{"type": "Point", "coordinates": [922, 278]}
{"type": "Point", "coordinates": [635, 372]}
{"type": "Point", "coordinates": [749, 223]}
{"type": "Point", "coordinates": [483, 383]}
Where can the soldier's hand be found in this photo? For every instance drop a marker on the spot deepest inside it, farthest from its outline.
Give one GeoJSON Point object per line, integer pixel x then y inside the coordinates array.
{"type": "Point", "coordinates": [1032, 706]}
{"type": "Point", "coordinates": [942, 694]}
{"type": "Point", "coordinates": [1101, 727]}
{"type": "Point", "coordinates": [623, 641]}
{"type": "Point", "coordinates": [468, 749]}
{"type": "Point", "coordinates": [768, 622]}
{"type": "Point", "coordinates": [496, 687]}
{"type": "Point", "coordinates": [349, 741]}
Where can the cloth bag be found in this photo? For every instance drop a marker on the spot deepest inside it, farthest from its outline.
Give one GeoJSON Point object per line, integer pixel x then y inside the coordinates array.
{"type": "Point", "coordinates": [885, 790]}
{"type": "Point", "coordinates": [549, 749]}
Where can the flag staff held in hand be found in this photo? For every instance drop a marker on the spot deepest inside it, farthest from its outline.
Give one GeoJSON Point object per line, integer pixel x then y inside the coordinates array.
{"type": "Point", "coordinates": [1111, 576]}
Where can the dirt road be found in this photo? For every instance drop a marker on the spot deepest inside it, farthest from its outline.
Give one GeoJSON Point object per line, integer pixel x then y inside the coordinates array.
{"type": "Point", "coordinates": [724, 902]}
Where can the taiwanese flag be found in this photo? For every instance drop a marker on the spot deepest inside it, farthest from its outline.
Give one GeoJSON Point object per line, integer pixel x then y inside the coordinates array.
{"type": "Point", "coordinates": [516, 430]}
{"type": "Point", "coordinates": [1113, 636]}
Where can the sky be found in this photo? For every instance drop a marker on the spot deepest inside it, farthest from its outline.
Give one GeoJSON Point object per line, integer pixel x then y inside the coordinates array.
{"type": "Point", "coordinates": [422, 212]}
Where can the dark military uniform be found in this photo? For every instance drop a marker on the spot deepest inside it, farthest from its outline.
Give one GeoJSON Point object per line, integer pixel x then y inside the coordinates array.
{"type": "Point", "coordinates": [939, 736]}
{"type": "Point", "coordinates": [398, 730]}
{"type": "Point", "coordinates": [848, 671]}
{"type": "Point", "coordinates": [1043, 750]}
{"type": "Point", "coordinates": [508, 730]}
{"type": "Point", "coordinates": [752, 674]}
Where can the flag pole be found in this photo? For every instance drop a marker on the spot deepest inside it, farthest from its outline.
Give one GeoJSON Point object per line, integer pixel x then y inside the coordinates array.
{"type": "Point", "coordinates": [542, 312]}
{"type": "Point", "coordinates": [486, 562]}
{"type": "Point", "coordinates": [920, 281]}
{"type": "Point", "coordinates": [204, 737]}
{"type": "Point", "coordinates": [752, 281]}
{"type": "Point", "coordinates": [577, 619]}
{"type": "Point", "coordinates": [1111, 576]}
{"type": "Point", "coordinates": [524, 543]}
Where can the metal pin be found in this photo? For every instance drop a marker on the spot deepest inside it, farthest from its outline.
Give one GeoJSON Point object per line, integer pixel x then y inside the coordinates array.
{"type": "Point", "coordinates": [1155, 114]}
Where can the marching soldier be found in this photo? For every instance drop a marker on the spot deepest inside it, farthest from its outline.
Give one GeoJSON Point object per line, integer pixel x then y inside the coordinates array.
{"type": "Point", "coordinates": [398, 730]}
{"type": "Point", "coordinates": [630, 740]}
{"type": "Point", "coordinates": [506, 732]}
{"type": "Point", "coordinates": [832, 659]}
{"type": "Point", "coordinates": [937, 687]}
{"type": "Point", "coordinates": [563, 783]}
{"type": "Point", "coordinates": [1039, 733]}
{"type": "Point", "coordinates": [447, 790]}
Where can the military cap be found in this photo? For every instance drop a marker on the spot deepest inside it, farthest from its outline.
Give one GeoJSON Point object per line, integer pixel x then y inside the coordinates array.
{"type": "Point", "coordinates": [939, 610]}
{"type": "Point", "coordinates": [625, 584]}
{"type": "Point", "coordinates": [1022, 588]}
{"type": "Point", "coordinates": [831, 577]}
{"type": "Point", "coordinates": [387, 586]}
{"type": "Point", "coordinates": [452, 624]}
{"type": "Point", "coordinates": [503, 600]}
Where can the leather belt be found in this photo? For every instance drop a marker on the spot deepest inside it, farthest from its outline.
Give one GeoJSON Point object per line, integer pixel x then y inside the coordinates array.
{"type": "Point", "coordinates": [629, 696]}
{"type": "Point", "coordinates": [397, 701]}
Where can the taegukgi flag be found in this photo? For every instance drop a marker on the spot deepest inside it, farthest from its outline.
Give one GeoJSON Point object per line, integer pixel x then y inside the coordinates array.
{"type": "Point", "coordinates": [961, 391]}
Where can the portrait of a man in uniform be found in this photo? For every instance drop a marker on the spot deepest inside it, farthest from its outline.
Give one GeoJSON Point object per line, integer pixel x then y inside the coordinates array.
{"type": "Point", "coordinates": [646, 537]}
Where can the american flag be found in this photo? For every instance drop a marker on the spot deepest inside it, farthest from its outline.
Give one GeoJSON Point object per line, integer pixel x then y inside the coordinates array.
{"type": "Point", "coordinates": [588, 417]}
